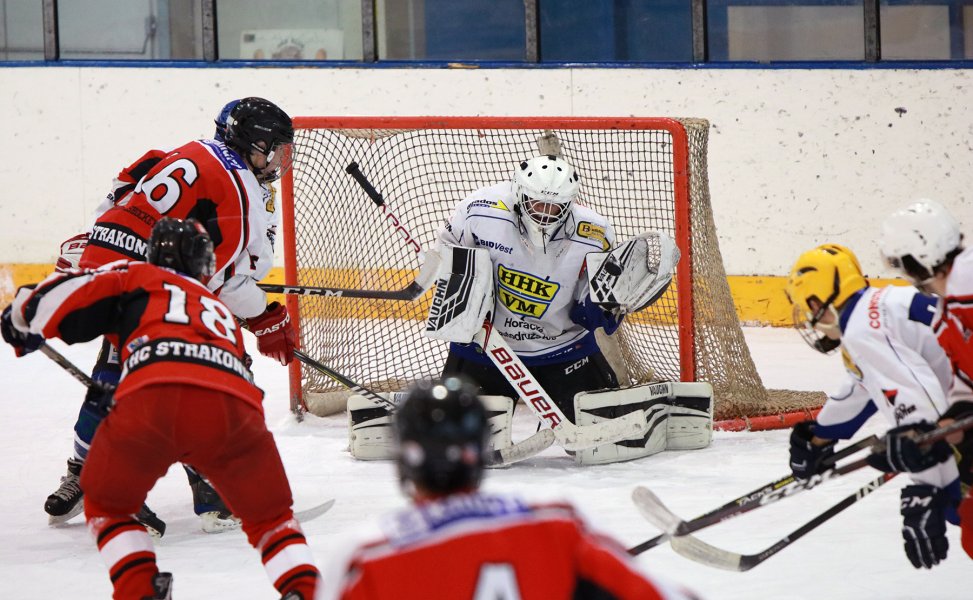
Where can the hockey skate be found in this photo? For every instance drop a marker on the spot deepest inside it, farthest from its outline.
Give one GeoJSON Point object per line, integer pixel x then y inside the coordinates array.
{"type": "Point", "coordinates": [215, 516]}
{"type": "Point", "coordinates": [162, 586]}
{"type": "Point", "coordinates": [155, 526]}
{"type": "Point", "coordinates": [67, 501]}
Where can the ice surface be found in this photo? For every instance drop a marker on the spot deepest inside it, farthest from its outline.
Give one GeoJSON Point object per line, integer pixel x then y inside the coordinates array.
{"type": "Point", "coordinates": [858, 555]}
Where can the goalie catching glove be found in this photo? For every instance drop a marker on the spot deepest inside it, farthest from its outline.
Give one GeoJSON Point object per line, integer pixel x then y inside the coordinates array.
{"type": "Point", "coordinates": [633, 275]}
{"type": "Point", "coordinates": [464, 294]}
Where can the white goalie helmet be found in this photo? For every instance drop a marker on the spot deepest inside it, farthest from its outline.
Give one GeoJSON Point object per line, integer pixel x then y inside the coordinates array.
{"type": "Point", "coordinates": [919, 238]}
{"type": "Point", "coordinates": [544, 188]}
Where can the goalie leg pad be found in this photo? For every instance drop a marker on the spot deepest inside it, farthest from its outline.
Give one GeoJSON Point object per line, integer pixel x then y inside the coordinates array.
{"type": "Point", "coordinates": [593, 407]}
{"type": "Point", "coordinates": [370, 434]}
{"type": "Point", "coordinates": [679, 415]}
{"type": "Point", "coordinates": [690, 423]}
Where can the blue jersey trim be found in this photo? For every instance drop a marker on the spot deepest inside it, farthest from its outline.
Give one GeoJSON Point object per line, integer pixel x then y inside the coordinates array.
{"type": "Point", "coordinates": [586, 346]}
{"type": "Point", "coordinates": [922, 309]}
{"type": "Point", "coordinates": [844, 431]}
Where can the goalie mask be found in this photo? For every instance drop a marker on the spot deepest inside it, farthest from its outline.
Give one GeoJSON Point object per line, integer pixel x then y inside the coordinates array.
{"type": "Point", "coordinates": [919, 239]}
{"type": "Point", "coordinates": [441, 432]}
{"type": "Point", "coordinates": [263, 135]}
{"type": "Point", "coordinates": [820, 283]}
{"type": "Point", "coordinates": [544, 188]}
{"type": "Point", "coordinates": [182, 246]}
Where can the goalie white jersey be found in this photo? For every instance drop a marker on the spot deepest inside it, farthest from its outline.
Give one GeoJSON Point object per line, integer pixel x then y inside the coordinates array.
{"type": "Point", "coordinates": [536, 287]}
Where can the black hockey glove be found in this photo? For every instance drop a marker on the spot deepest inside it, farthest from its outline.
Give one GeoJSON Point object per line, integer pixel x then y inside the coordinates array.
{"type": "Point", "coordinates": [903, 454]}
{"type": "Point", "coordinates": [23, 343]}
{"type": "Point", "coordinates": [924, 525]}
{"type": "Point", "coordinates": [806, 457]}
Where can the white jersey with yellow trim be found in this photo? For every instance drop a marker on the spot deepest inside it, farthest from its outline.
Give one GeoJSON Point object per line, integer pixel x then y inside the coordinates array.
{"type": "Point", "coordinates": [536, 286]}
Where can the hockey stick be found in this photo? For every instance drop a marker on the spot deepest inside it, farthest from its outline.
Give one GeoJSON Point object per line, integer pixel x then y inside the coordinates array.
{"type": "Point", "coordinates": [531, 446]}
{"type": "Point", "coordinates": [764, 494]}
{"type": "Point", "coordinates": [423, 281]}
{"type": "Point", "coordinates": [569, 435]}
{"type": "Point", "coordinates": [702, 552]}
{"type": "Point", "coordinates": [70, 367]}
{"type": "Point", "coordinates": [413, 291]}
{"type": "Point", "coordinates": [655, 511]}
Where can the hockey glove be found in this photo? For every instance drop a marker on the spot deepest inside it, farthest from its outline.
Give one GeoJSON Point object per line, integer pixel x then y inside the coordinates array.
{"type": "Point", "coordinates": [71, 251]}
{"type": "Point", "coordinates": [806, 456]}
{"type": "Point", "coordinates": [591, 316]}
{"type": "Point", "coordinates": [275, 333]}
{"type": "Point", "coordinates": [23, 343]}
{"type": "Point", "coordinates": [924, 525]}
{"type": "Point", "coordinates": [903, 454]}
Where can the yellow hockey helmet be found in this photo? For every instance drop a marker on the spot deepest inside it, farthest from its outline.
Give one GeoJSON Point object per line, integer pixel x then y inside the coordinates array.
{"type": "Point", "coordinates": [827, 276]}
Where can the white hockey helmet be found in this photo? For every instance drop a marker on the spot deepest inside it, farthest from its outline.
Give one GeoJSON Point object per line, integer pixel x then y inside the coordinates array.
{"type": "Point", "coordinates": [544, 188]}
{"type": "Point", "coordinates": [920, 238]}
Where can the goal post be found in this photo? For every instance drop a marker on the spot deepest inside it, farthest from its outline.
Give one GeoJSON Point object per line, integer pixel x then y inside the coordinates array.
{"type": "Point", "coordinates": [640, 173]}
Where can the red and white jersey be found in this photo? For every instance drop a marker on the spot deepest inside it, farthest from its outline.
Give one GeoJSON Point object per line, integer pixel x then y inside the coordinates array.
{"type": "Point", "coordinates": [483, 546]}
{"type": "Point", "coordinates": [206, 181]}
{"type": "Point", "coordinates": [895, 366]}
{"type": "Point", "coordinates": [168, 327]}
{"type": "Point", "coordinates": [954, 324]}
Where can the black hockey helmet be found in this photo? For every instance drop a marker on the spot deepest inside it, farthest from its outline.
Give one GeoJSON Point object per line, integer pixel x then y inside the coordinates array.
{"type": "Point", "coordinates": [258, 125]}
{"type": "Point", "coordinates": [441, 432]}
{"type": "Point", "coordinates": [182, 246]}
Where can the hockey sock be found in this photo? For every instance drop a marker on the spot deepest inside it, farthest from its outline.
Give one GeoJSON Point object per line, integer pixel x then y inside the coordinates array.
{"type": "Point", "coordinates": [287, 559]}
{"type": "Point", "coordinates": [128, 553]}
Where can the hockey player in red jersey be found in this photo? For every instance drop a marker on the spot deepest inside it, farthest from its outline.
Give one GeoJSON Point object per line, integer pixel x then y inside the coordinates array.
{"type": "Point", "coordinates": [223, 183]}
{"type": "Point", "coordinates": [456, 542]}
{"type": "Point", "coordinates": [185, 394]}
{"type": "Point", "coordinates": [924, 242]}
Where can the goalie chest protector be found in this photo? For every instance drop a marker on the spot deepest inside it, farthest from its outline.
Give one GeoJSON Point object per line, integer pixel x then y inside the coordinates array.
{"type": "Point", "coordinates": [535, 287]}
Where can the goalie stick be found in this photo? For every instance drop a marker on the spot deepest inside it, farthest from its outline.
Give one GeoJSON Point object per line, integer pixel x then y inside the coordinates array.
{"type": "Point", "coordinates": [702, 552]}
{"type": "Point", "coordinates": [569, 435]}
{"type": "Point", "coordinates": [524, 449]}
{"type": "Point", "coordinates": [413, 291]}
{"type": "Point", "coordinates": [778, 489]}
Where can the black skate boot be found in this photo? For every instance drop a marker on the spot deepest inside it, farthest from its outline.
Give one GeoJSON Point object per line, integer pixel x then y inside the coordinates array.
{"type": "Point", "coordinates": [152, 523]}
{"type": "Point", "coordinates": [66, 502]}
{"type": "Point", "coordinates": [162, 585]}
{"type": "Point", "coordinates": [213, 512]}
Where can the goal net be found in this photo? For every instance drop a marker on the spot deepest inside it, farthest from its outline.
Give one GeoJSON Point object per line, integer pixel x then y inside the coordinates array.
{"type": "Point", "coordinates": [641, 173]}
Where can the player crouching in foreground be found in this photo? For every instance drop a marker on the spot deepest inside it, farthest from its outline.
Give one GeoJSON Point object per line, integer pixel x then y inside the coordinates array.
{"type": "Point", "coordinates": [541, 269]}
{"type": "Point", "coordinates": [895, 367]}
{"type": "Point", "coordinates": [923, 241]}
{"type": "Point", "coordinates": [185, 395]}
{"type": "Point", "coordinates": [456, 542]}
